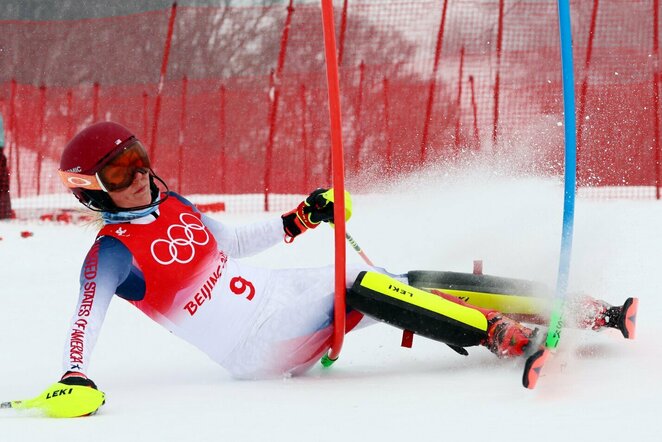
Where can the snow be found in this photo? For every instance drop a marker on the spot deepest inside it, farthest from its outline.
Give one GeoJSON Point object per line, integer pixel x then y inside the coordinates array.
{"type": "Point", "coordinates": [598, 385]}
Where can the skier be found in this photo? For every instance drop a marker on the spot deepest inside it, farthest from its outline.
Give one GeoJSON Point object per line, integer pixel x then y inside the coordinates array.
{"type": "Point", "coordinates": [182, 269]}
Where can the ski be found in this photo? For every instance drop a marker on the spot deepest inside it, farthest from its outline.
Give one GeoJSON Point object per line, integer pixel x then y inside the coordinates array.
{"type": "Point", "coordinates": [627, 321]}
{"type": "Point", "coordinates": [622, 318]}
{"type": "Point", "coordinates": [533, 367]}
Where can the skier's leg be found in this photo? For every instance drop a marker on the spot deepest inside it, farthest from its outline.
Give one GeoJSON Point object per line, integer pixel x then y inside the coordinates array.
{"type": "Point", "coordinates": [450, 321]}
{"type": "Point", "coordinates": [294, 326]}
{"type": "Point", "coordinates": [507, 295]}
{"type": "Point", "coordinates": [589, 313]}
{"type": "Point", "coordinates": [527, 301]}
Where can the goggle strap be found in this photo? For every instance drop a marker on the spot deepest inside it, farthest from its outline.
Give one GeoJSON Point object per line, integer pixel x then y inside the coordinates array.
{"type": "Point", "coordinates": [75, 180]}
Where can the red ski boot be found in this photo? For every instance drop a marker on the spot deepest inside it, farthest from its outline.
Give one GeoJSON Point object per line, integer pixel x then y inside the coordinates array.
{"type": "Point", "coordinates": [597, 314]}
{"type": "Point", "coordinates": [507, 338]}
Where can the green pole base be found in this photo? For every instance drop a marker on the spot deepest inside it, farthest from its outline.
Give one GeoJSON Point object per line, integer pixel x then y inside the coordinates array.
{"type": "Point", "coordinates": [327, 361]}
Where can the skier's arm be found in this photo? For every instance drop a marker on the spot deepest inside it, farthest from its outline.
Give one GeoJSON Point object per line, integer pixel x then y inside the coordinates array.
{"type": "Point", "coordinates": [250, 239]}
{"type": "Point", "coordinates": [253, 238]}
{"type": "Point", "coordinates": [240, 241]}
{"type": "Point", "coordinates": [246, 240]}
{"type": "Point", "coordinates": [106, 265]}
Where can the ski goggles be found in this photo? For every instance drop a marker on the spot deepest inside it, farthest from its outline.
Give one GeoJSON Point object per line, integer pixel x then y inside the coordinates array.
{"type": "Point", "coordinates": [115, 173]}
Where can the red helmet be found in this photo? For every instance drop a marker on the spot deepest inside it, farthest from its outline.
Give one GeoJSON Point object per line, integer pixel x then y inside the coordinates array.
{"type": "Point", "coordinates": [92, 145]}
{"type": "Point", "coordinates": [87, 153]}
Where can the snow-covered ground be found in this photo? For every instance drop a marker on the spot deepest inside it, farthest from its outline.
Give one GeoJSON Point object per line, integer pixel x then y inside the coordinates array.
{"type": "Point", "coordinates": [598, 387]}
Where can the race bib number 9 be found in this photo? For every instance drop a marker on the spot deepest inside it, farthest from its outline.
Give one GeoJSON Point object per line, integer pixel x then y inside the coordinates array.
{"type": "Point", "coordinates": [241, 287]}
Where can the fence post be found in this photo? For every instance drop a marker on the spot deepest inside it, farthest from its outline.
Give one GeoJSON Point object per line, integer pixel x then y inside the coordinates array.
{"type": "Point", "coordinates": [164, 69]}
{"type": "Point", "coordinates": [343, 29]}
{"type": "Point", "coordinates": [304, 139]}
{"type": "Point", "coordinates": [656, 93]}
{"type": "Point", "coordinates": [14, 148]}
{"type": "Point", "coordinates": [145, 117]}
{"type": "Point", "coordinates": [40, 134]}
{"type": "Point", "coordinates": [180, 139]}
{"type": "Point", "coordinates": [387, 127]}
{"type": "Point", "coordinates": [70, 114]}
{"type": "Point", "coordinates": [433, 83]}
{"type": "Point", "coordinates": [221, 136]}
{"type": "Point", "coordinates": [459, 101]}
{"type": "Point", "coordinates": [95, 102]}
{"type": "Point", "coordinates": [474, 108]}
{"type": "Point", "coordinates": [274, 91]}
{"type": "Point", "coordinates": [656, 130]}
{"type": "Point", "coordinates": [9, 128]}
{"type": "Point", "coordinates": [584, 86]}
{"type": "Point", "coordinates": [358, 138]}
{"type": "Point", "coordinates": [497, 79]}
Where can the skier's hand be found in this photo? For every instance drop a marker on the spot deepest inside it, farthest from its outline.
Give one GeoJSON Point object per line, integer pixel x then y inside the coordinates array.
{"type": "Point", "coordinates": [319, 208]}
{"type": "Point", "coordinates": [316, 208]}
{"type": "Point", "coordinates": [77, 378]}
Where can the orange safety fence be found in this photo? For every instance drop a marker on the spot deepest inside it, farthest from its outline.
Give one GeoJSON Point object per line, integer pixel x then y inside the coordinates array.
{"type": "Point", "coordinates": [244, 108]}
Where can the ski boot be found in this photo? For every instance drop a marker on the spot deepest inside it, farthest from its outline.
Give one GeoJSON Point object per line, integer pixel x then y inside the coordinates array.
{"type": "Point", "coordinates": [597, 314]}
{"type": "Point", "coordinates": [507, 338]}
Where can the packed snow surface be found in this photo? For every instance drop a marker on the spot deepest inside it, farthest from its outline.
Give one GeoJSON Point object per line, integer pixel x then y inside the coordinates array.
{"type": "Point", "coordinates": [598, 386]}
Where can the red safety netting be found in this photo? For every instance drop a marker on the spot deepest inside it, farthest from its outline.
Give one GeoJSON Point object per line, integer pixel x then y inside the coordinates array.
{"type": "Point", "coordinates": [243, 106]}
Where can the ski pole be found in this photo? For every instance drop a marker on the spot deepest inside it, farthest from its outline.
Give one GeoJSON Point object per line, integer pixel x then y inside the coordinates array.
{"type": "Point", "coordinates": [358, 249]}
{"type": "Point", "coordinates": [61, 400]}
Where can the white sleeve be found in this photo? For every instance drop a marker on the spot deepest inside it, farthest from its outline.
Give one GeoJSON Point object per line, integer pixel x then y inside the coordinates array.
{"type": "Point", "coordinates": [246, 240]}
{"type": "Point", "coordinates": [98, 283]}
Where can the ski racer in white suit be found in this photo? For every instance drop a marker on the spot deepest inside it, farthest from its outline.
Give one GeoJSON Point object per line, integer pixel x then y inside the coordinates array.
{"type": "Point", "coordinates": [182, 269]}
{"type": "Point", "coordinates": [241, 316]}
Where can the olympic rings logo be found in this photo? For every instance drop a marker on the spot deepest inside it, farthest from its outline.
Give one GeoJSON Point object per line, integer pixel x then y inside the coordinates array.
{"type": "Point", "coordinates": [179, 247]}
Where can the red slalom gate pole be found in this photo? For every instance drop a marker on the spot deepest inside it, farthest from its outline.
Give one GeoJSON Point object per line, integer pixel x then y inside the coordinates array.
{"type": "Point", "coordinates": [338, 180]}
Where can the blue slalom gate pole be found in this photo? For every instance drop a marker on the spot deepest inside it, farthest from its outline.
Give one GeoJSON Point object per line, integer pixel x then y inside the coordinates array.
{"type": "Point", "coordinates": [570, 173]}
{"type": "Point", "coordinates": [534, 363]}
